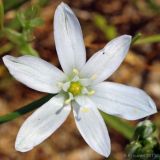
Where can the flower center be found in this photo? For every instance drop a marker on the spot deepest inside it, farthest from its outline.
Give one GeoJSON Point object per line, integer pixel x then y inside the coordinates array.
{"type": "Point", "coordinates": [75, 88]}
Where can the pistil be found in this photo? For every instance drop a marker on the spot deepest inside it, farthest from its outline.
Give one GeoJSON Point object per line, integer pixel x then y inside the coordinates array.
{"type": "Point", "coordinates": [75, 88]}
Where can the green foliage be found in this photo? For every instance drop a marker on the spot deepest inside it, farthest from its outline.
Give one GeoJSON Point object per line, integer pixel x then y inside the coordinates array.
{"type": "Point", "coordinates": [14, 36]}
{"type": "Point", "coordinates": [145, 144]}
{"type": "Point", "coordinates": [43, 2]}
{"type": "Point", "coordinates": [144, 130]}
{"type": "Point", "coordinates": [20, 41]}
{"type": "Point", "coordinates": [119, 125]}
{"type": "Point", "coordinates": [109, 31]}
{"type": "Point", "coordinates": [29, 19]}
{"type": "Point", "coordinates": [10, 4]}
{"type": "Point", "coordinates": [1, 15]}
{"type": "Point", "coordinates": [153, 5]}
{"type": "Point", "coordinates": [136, 37]}
{"type": "Point", "coordinates": [21, 36]}
{"type": "Point", "coordinates": [25, 109]}
{"type": "Point", "coordinates": [147, 40]}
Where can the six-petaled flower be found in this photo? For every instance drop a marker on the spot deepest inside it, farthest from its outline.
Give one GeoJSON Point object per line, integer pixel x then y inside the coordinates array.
{"type": "Point", "coordinates": [80, 87]}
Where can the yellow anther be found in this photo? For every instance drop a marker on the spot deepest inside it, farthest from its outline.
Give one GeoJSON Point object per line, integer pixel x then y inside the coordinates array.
{"type": "Point", "coordinates": [67, 101]}
{"type": "Point", "coordinates": [75, 71]}
{"type": "Point", "coordinates": [90, 93]}
{"type": "Point", "coordinates": [85, 109]}
{"type": "Point", "coordinates": [93, 77]}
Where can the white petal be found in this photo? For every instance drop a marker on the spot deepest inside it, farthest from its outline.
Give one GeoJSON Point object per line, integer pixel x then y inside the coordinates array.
{"type": "Point", "coordinates": [127, 102]}
{"type": "Point", "coordinates": [41, 124]}
{"type": "Point", "coordinates": [103, 63]}
{"type": "Point", "coordinates": [34, 73]}
{"type": "Point", "coordinates": [68, 39]}
{"type": "Point", "coordinates": [91, 125]}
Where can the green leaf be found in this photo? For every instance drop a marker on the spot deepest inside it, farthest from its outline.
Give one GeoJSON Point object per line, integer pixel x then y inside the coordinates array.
{"type": "Point", "coordinates": [28, 23]}
{"type": "Point", "coordinates": [100, 21]}
{"type": "Point", "coordinates": [11, 4]}
{"type": "Point", "coordinates": [144, 130]}
{"type": "Point", "coordinates": [36, 22]}
{"type": "Point", "coordinates": [32, 12]}
{"type": "Point", "coordinates": [152, 4]}
{"type": "Point", "coordinates": [144, 143]}
{"type": "Point", "coordinates": [1, 15]}
{"type": "Point", "coordinates": [20, 40]}
{"type": "Point", "coordinates": [119, 125]}
{"type": "Point", "coordinates": [14, 36]}
{"type": "Point", "coordinates": [110, 31]}
{"type": "Point", "coordinates": [25, 109]}
{"type": "Point", "coordinates": [136, 37]}
{"type": "Point", "coordinates": [43, 2]}
{"type": "Point", "coordinates": [21, 18]}
{"type": "Point", "coordinates": [26, 49]}
{"type": "Point", "coordinates": [133, 147]}
{"type": "Point", "coordinates": [148, 40]}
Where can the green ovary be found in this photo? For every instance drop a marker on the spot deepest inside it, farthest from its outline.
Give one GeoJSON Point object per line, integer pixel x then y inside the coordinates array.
{"type": "Point", "coordinates": [75, 88]}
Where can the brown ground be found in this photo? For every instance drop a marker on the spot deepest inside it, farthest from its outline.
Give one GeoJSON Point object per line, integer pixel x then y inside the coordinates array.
{"type": "Point", "coordinates": [141, 68]}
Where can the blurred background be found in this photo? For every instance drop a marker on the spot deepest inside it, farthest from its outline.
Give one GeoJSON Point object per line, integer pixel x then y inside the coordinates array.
{"type": "Point", "coordinates": [28, 30]}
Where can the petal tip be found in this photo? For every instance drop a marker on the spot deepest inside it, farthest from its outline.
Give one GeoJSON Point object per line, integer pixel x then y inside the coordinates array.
{"type": "Point", "coordinates": [127, 37]}
{"type": "Point", "coordinates": [19, 147]}
{"type": "Point", "coordinates": [7, 59]}
{"type": "Point", "coordinates": [107, 152]}
{"type": "Point", "coordinates": [60, 11]}
{"type": "Point", "coordinates": [152, 105]}
{"type": "Point", "coordinates": [4, 58]}
{"type": "Point", "coordinates": [108, 149]}
{"type": "Point", "coordinates": [62, 5]}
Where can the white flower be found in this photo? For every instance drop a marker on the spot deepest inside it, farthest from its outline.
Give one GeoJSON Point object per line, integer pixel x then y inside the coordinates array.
{"type": "Point", "coordinates": [80, 86]}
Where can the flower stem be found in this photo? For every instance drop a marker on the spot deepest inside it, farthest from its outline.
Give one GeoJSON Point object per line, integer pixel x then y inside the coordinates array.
{"type": "Point", "coordinates": [1, 15]}
{"type": "Point", "coordinates": [147, 40]}
{"type": "Point", "coordinates": [119, 125]}
{"type": "Point", "coordinates": [12, 4]}
{"type": "Point", "coordinates": [25, 109]}
{"type": "Point", "coordinates": [136, 37]}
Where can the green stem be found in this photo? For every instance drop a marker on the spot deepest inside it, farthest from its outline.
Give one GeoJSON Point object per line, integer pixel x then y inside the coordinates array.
{"type": "Point", "coordinates": [136, 37]}
{"type": "Point", "coordinates": [119, 125]}
{"type": "Point", "coordinates": [12, 4]}
{"type": "Point", "coordinates": [153, 5]}
{"type": "Point", "coordinates": [1, 15]}
{"type": "Point", "coordinates": [146, 40]}
{"type": "Point", "coordinates": [25, 109]}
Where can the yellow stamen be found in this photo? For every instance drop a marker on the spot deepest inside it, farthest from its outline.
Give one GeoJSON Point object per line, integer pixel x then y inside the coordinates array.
{"type": "Point", "coordinates": [67, 101]}
{"type": "Point", "coordinates": [85, 109]}
{"type": "Point", "coordinates": [75, 71]}
{"type": "Point", "coordinates": [90, 93]}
